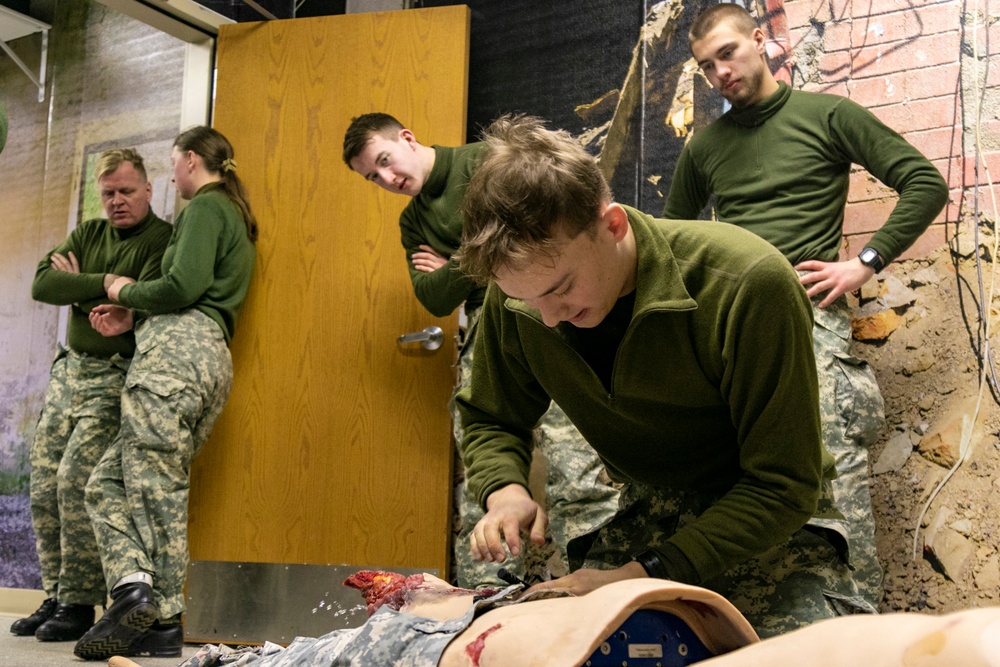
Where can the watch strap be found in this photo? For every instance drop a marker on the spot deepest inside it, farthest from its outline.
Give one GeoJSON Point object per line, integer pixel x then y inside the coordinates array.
{"type": "Point", "coordinates": [652, 564]}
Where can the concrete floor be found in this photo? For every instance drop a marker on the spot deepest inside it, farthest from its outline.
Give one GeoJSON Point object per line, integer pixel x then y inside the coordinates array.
{"type": "Point", "coordinates": [29, 652]}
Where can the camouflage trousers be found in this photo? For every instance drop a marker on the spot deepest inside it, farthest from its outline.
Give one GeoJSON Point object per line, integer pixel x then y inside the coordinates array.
{"type": "Point", "coordinates": [78, 422]}
{"type": "Point", "coordinates": [137, 495]}
{"type": "Point", "coordinates": [852, 414]}
{"type": "Point", "coordinates": [789, 586]}
{"type": "Point", "coordinates": [579, 499]}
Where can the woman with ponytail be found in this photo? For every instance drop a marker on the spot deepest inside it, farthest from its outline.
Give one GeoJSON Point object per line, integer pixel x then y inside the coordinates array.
{"type": "Point", "coordinates": [176, 387]}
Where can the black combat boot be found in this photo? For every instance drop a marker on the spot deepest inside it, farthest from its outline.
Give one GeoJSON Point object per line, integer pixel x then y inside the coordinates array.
{"type": "Point", "coordinates": [25, 627]}
{"type": "Point", "coordinates": [68, 623]}
{"type": "Point", "coordinates": [132, 612]}
{"type": "Point", "coordinates": [162, 640]}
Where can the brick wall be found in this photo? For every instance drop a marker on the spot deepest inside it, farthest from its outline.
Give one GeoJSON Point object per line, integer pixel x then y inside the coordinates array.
{"type": "Point", "coordinates": [912, 65]}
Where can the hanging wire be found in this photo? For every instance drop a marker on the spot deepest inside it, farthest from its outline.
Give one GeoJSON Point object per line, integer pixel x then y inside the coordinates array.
{"type": "Point", "coordinates": [969, 421]}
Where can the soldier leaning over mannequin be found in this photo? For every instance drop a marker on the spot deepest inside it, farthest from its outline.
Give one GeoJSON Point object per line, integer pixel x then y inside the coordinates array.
{"type": "Point", "coordinates": [683, 353]}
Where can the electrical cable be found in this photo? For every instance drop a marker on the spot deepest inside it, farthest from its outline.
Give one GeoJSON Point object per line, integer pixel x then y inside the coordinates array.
{"type": "Point", "coordinates": [968, 423]}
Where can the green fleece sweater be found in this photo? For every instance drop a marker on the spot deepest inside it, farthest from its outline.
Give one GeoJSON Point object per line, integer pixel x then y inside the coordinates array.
{"type": "Point", "coordinates": [713, 389]}
{"type": "Point", "coordinates": [207, 265]}
{"type": "Point", "coordinates": [780, 168]}
{"type": "Point", "coordinates": [100, 249]}
{"type": "Point", "coordinates": [434, 218]}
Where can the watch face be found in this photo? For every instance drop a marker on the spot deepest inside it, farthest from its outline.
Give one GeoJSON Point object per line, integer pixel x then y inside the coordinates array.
{"type": "Point", "coordinates": [870, 258]}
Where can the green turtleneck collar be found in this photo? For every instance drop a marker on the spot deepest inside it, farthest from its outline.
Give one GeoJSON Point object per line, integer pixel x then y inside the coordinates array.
{"type": "Point", "coordinates": [757, 114]}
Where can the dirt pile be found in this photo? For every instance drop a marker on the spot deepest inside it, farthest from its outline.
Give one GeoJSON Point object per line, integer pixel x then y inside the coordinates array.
{"type": "Point", "coordinates": [928, 368]}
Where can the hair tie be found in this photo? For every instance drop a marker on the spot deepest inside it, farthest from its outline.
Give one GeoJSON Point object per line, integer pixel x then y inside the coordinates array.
{"type": "Point", "coordinates": [229, 164]}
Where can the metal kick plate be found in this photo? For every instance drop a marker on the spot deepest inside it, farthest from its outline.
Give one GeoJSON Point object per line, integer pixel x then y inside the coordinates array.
{"type": "Point", "coordinates": [250, 603]}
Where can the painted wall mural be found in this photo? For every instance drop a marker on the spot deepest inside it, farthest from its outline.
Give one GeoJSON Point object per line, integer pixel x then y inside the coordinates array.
{"type": "Point", "coordinates": [100, 95]}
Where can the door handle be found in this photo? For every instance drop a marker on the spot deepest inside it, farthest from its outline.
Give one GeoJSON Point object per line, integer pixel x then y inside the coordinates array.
{"type": "Point", "coordinates": [430, 338]}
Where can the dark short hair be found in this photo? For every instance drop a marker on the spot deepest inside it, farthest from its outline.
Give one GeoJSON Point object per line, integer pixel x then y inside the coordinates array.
{"type": "Point", "coordinates": [531, 184]}
{"type": "Point", "coordinates": [734, 14]}
{"type": "Point", "coordinates": [363, 128]}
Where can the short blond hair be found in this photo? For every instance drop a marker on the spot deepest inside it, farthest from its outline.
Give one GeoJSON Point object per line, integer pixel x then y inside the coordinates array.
{"type": "Point", "coordinates": [110, 160]}
{"type": "Point", "coordinates": [531, 184]}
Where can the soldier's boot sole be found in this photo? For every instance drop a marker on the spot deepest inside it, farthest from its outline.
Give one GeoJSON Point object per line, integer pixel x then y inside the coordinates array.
{"type": "Point", "coordinates": [108, 638]}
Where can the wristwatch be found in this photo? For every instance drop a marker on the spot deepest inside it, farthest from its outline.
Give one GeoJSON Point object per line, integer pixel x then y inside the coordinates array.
{"type": "Point", "coordinates": [651, 563]}
{"type": "Point", "coordinates": [870, 257]}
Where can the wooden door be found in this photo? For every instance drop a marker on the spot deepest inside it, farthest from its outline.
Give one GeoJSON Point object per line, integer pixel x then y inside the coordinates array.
{"type": "Point", "coordinates": [334, 447]}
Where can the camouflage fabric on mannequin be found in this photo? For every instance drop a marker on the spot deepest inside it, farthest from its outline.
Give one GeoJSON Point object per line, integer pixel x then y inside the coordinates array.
{"type": "Point", "coordinates": [78, 422]}
{"type": "Point", "coordinates": [789, 586]}
{"type": "Point", "coordinates": [388, 637]}
{"type": "Point", "coordinates": [852, 414]}
{"type": "Point", "coordinates": [137, 496]}
{"type": "Point", "coordinates": [579, 499]}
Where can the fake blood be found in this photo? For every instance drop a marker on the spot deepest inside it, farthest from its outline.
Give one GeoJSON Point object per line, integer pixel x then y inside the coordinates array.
{"type": "Point", "coordinates": [475, 649]}
{"type": "Point", "coordinates": [392, 589]}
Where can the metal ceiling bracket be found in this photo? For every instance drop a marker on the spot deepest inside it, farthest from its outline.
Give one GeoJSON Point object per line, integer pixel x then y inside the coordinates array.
{"type": "Point", "coordinates": [14, 25]}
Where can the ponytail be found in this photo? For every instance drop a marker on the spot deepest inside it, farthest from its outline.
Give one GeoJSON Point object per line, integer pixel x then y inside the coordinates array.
{"type": "Point", "coordinates": [217, 154]}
